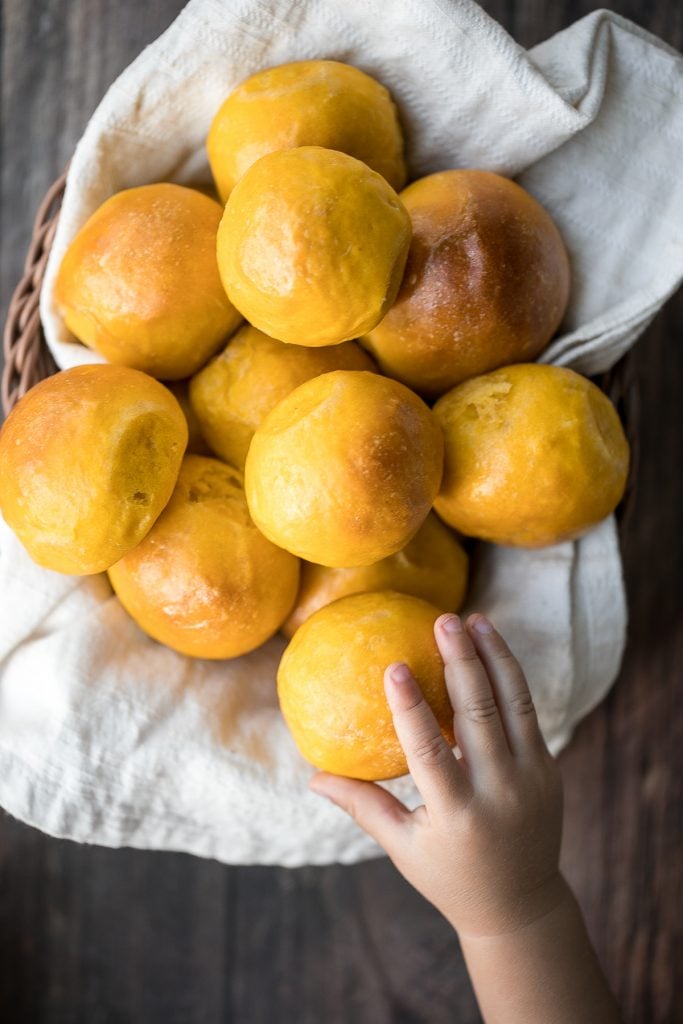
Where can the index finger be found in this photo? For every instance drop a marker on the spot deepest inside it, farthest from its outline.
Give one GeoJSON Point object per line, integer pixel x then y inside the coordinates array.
{"type": "Point", "coordinates": [432, 763]}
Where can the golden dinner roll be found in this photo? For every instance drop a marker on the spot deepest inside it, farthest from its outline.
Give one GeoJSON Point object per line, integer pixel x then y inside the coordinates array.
{"type": "Point", "coordinates": [233, 393]}
{"type": "Point", "coordinates": [307, 103]}
{"type": "Point", "coordinates": [344, 470]}
{"type": "Point", "coordinates": [433, 566]}
{"type": "Point", "coordinates": [534, 455]}
{"type": "Point", "coordinates": [204, 581]}
{"type": "Point", "coordinates": [88, 459]}
{"type": "Point", "coordinates": [139, 283]}
{"type": "Point", "coordinates": [312, 246]}
{"type": "Point", "coordinates": [331, 681]}
{"type": "Point", "coordinates": [486, 282]}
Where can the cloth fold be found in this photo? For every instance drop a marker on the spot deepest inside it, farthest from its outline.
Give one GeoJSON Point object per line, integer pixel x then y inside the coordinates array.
{"type": "Point", "coordinates": [107, 737]}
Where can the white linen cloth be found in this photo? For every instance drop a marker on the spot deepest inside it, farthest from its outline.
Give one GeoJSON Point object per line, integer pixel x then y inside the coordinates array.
{"type": "Point", "coordinates": [107, 737]}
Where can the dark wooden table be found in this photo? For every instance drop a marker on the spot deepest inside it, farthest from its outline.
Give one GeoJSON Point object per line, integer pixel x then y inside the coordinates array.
{"type": "Point", "coordinates": [91, 935]}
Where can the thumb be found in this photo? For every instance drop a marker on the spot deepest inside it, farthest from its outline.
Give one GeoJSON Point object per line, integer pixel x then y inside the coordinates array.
{"type": "Point", "coordinates": [376, 810]}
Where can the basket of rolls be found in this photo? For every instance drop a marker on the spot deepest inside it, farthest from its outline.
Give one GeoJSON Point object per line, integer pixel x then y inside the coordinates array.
{"type": "Point", "coordinates": [324, 332]}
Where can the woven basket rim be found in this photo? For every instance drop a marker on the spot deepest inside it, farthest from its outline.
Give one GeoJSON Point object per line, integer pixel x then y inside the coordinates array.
{"type": "Point", "coordinates": [28, 359]}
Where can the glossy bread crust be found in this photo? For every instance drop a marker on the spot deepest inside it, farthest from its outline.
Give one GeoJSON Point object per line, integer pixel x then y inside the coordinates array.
{"type": "Point", "coordinates": [331, 681]}
{"type": "Point", "coordinates": [306, 103]}
{"type": "Point", "coordinates": [534, 455]}
{"type": "Point", "coordinates": [205, 581]}
{"type": "Point", "coordinates": [88, 459]}
{"type": "Point", "coordinates": [312, 246]}
{"type": "Point", "coordinates": [486, 282]}
{"type": "Point", "coordinates": [344, 471]}
{"type": "Point", "coordinates": [433, 566]}
{"type": "Point", "coordinates": [235, 391]}
{"type": "Point", "coordinates": [139, 283]}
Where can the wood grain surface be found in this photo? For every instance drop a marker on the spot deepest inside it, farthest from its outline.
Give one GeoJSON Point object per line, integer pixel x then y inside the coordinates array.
{"type": "Point", "coordinates": [95, 936]}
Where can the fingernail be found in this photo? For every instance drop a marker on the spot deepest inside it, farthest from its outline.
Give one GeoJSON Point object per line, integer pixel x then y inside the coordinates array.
{"type": "Point", "coordinates": [451, 624]}
{"type": "Point", "coordinates": [400, 674]}
{"type": "Point", "coordinates": [482, 625]}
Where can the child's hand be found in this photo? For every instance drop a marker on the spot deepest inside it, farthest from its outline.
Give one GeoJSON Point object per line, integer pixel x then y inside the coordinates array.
{"type": "Point", "coordinates": [484, 848]}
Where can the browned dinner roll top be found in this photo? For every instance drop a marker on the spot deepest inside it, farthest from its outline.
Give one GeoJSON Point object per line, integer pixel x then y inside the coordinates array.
{"type": "Point", "coordinates": [486, 282]}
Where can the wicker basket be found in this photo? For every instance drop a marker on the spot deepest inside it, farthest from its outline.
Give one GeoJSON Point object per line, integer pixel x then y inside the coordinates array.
{"type": "Point", "coordinates": [28, 359]}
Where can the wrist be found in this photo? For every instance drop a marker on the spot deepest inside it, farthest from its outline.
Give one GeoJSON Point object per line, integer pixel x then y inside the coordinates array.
{"type": "Point", "coordinates": [522, 912]}
{"type": "Point", "coordinates": [544, 969]}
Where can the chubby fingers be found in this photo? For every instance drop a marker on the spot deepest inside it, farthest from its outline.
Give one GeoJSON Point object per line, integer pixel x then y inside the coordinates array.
{"type": "Point", "coordinates": [511, 688]}
{"type": "Point", "coordinates": [431, 761]}
{"type": "Point", "coordinates": [377, 811]}
{"type": "Point", "coordinates": [478, 726]}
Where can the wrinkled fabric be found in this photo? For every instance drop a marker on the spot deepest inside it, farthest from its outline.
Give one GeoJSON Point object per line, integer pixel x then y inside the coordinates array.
{"type": "Point", "coordinates": [107, 737]}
